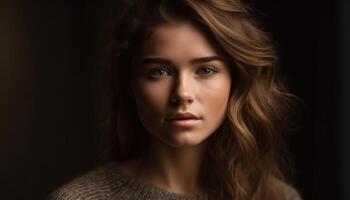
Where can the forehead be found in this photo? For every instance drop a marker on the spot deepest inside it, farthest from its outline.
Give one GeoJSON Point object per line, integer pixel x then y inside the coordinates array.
{"type": "Point", "coordinates": [180, 39]}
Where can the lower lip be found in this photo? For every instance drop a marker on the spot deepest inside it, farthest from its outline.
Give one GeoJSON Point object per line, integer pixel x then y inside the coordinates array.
{"type": "Point", "coordinates": [183, 122]}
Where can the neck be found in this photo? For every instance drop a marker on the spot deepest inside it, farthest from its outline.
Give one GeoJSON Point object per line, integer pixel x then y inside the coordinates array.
{"type": "Point", "coordinates": [174, 169]}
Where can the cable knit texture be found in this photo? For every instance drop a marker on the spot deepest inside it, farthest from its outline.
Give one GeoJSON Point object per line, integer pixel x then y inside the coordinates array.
{"type": "Point", "coordinates": [108, 183]}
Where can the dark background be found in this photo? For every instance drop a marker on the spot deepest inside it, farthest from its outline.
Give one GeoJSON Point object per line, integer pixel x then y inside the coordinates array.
{"type": "Point", "coordinates": [49, 70]}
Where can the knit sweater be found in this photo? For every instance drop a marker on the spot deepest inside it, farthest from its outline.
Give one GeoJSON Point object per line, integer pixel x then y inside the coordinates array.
{"type": "Point", "coordinates": [109, 183]}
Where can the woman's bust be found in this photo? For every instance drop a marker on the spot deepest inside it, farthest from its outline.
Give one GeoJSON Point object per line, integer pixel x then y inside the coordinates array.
{"type": "Point", "coordinates": [194, 106]}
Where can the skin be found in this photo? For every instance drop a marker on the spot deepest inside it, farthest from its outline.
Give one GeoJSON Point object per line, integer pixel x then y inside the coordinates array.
{"type": "Point", "coordinates": [180, 71]}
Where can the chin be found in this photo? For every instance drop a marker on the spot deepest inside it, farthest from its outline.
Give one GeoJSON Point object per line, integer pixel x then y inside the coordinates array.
{"type": "Point", "coordinates": [185, 140]}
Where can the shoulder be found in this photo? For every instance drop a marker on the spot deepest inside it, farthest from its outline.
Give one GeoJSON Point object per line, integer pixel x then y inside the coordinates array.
{"type": "Point", "coordinates": [286, 190]}
{"type": "Point", "coordinates": [95, 184]}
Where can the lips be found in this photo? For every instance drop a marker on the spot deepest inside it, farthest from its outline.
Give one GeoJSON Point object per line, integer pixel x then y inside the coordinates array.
{"type": "Point", "coordinates": [183, 116]}
{"type": "Point", "coordinates": [183, 120]}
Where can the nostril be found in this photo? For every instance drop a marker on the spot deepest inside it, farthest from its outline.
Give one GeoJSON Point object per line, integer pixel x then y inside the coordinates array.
{"type": "Point", "coordinates": [178, 100]}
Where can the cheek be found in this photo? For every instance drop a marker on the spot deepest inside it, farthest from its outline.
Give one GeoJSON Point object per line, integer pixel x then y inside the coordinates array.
{"type": "Point", "coordinates": [215, 98]}
{"type": "Point", "coordinates": [151, 97]}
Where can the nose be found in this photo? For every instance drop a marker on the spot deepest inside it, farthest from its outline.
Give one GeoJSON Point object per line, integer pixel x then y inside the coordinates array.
{"type": "Point", "coordinates": [182, 90]}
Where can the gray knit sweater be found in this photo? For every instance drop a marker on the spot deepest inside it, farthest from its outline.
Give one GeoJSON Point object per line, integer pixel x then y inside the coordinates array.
{"type": "Point", "coordinates": [108, 183]}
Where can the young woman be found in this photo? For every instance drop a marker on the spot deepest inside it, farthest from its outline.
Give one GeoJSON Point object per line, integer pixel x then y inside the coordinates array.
{"type": "Point", "coordinates": [195, 107]}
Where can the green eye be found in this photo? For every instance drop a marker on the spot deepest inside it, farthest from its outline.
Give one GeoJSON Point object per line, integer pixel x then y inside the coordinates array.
{"type": "Point", "coordinates": [159, 72]}
{"type": "Point", "coordinates": [206, 71]}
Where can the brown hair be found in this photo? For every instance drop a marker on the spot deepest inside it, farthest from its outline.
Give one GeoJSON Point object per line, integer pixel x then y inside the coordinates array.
{"type": "Point", "coordinates": [244, 159]}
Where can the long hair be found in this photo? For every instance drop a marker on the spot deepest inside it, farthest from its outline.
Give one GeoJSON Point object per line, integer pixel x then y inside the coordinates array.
{"type": "Point", "coordinates": [243, 160]}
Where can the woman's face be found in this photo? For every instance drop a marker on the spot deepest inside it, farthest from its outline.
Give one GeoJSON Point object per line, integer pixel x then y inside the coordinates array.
{"type": "Point", "coordinates": [181, 85]}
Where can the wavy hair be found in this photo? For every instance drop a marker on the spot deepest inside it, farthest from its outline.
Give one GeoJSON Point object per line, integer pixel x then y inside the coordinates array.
{"type": "Point", "coordinates": [244, 160]}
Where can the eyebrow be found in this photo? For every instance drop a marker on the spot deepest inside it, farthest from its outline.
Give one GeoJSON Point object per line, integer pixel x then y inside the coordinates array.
{"type": "Point", "coordinates": [157, 60]}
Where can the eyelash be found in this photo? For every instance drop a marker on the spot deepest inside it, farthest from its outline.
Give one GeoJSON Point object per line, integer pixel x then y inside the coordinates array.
{"type": "Point", "coordinates": [213, 71]}
{"type": "Point", "coordinates": [151, 73]}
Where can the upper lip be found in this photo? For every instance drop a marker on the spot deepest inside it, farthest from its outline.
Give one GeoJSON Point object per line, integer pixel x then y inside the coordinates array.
{"type": "Point", "coordinates": [186, 115]}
